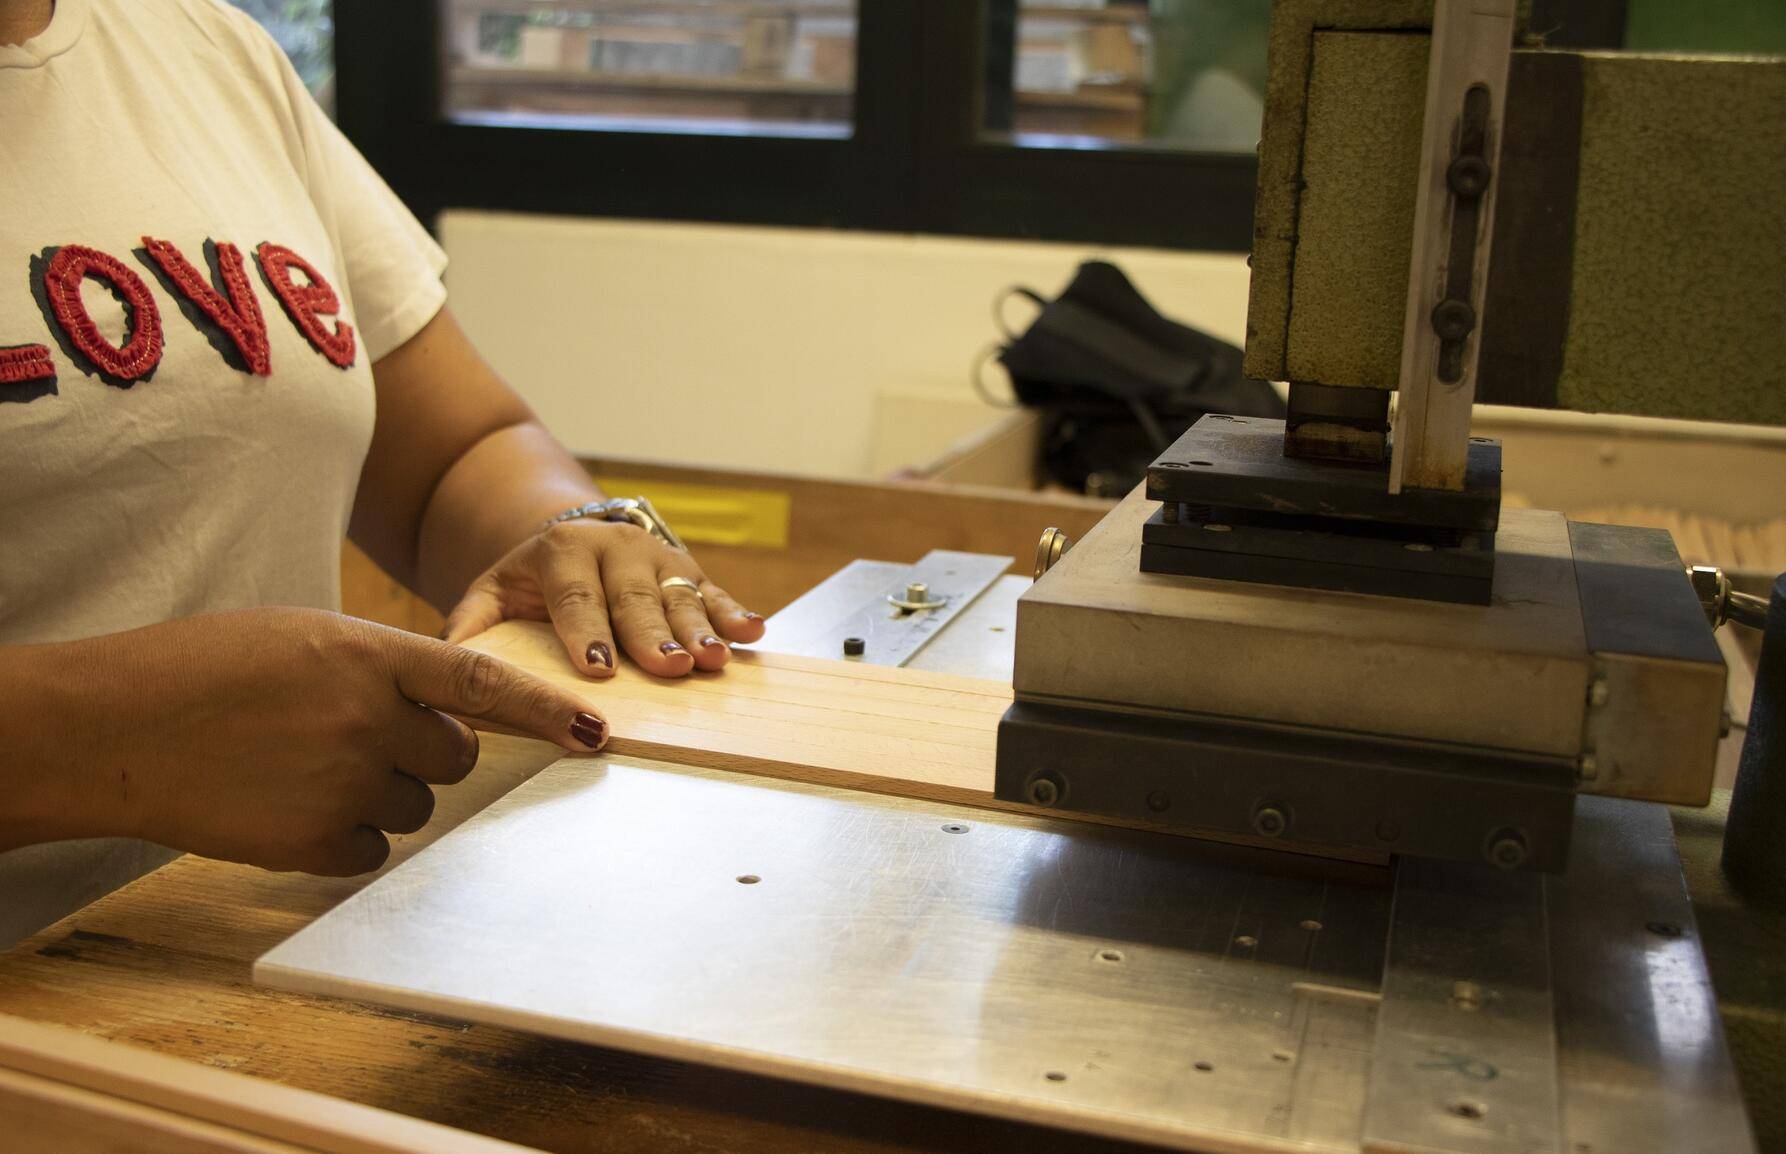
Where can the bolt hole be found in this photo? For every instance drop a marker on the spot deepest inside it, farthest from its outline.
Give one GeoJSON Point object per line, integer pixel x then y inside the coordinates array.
{"type": "Point", "coordinates": [1281, 1055]}
{"type": "Point", "coordinates": [1205, 1067]}
{"type": "Point", "coordinates": [748, 879]}
{"type": "Point", "coordinates": [1112, 956]}
{"type": "Point", "coordinates": [1204, 464]}
{"type": "Point", "coordinates": [1664, 929]}
{"type": "Point", "coordinates": [1464, 1108]}
{"type": "Point", "coordinates": [1246, 941]}
{"type": "Point", "coordinates": [1311, 925]}
{"type": "Point", "coordinates": [954, 827]}
{"type": "Point", "coordinates": [1056, 1076]}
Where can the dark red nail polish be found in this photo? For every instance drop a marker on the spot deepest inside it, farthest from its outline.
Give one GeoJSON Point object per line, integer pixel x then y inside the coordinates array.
{"type": "Point", "coordinates": [670, 649]}
{"type": "Point", "coordinates": [589, 729]}
{"type": "Point", "coordinates": [709, 641]}
{"type": "Point", "coordinates": [599, 654]}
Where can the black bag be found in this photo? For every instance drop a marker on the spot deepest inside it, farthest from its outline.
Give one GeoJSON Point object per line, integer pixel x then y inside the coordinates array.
{"type": "Point", "coordinates": [1118, 382]}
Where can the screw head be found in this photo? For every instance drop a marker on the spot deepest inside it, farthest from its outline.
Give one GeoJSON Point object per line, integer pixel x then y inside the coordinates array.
{"type": "Point", "coordinates": [917, 591]}
{"type": "Point", "coordinates": [1587, 767]}
{"type": "Point", "coordinates": [1270, 820]}
{"type": "Point", "coordinates": [1044, 791]}
{"type": "Point", "coordinates": [1507, 849]}
{"type": "Point", "coordinates": [1453, 320]}
{"type": "Point", "coordinates": [854, 647]}
{"type": "Point", "coordinates": [1159, 801]}
{"type": "Point", "coordinates": [1599, 693]}
{"type": "Point", "coordinates": [1468, 176]}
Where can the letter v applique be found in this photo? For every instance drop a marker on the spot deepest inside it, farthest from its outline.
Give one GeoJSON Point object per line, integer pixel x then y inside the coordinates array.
{"type": "Point", "coordinates": [236, 317]}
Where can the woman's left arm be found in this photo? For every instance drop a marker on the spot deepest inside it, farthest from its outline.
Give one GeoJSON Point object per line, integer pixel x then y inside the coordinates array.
{"type": "Point", "coordinates": [456, 485]}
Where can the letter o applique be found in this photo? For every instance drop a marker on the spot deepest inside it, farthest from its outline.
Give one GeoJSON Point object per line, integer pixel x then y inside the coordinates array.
{"type": "Point", "coordinates": [141, 352]}
{"type": "Point", "coordinates": [307, 304]}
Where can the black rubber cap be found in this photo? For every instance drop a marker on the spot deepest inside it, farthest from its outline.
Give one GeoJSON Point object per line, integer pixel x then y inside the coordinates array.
{"type": "Point", "coordinates": [854, 646]}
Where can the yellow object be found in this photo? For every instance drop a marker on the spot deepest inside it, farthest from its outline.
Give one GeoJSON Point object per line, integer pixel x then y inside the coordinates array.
{"type": "Point", "coordinates": [713, 515]}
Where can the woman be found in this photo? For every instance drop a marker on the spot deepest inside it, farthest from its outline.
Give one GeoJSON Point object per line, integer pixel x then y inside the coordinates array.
{"type": "Point", "coordinates": [224, 344]}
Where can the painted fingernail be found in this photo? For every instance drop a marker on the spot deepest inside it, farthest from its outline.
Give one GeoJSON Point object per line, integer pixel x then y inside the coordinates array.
{"type": "Point", "coordinates": [589, 729]}
{"type": "Point", "coordinates": [709, 641]}
{"type": "Point", "coordinates": [670, 649]}
{"type": "Point", "coordinates": [599, 654]}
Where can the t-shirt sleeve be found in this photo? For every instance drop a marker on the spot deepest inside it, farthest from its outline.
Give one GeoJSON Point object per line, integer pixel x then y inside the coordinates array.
{"type": "Point", "coordinates": [391, 265]}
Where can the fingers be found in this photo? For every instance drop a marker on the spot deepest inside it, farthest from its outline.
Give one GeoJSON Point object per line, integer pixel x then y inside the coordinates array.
{"type": "Point", "coordinates": [480, 609]}
{"type": "Point", "coordinates": [478, 686]}
{"type": "Point", "coordinates": [400, 804]}
{"type": "Point", "coordinates": [735, 622]}
{"type": "Point", "coordinates": [359, 850]}
{"type": "Point", "coordinates": [570, 576]}
{"type": "Point", "coordinates": [432, 747]}
{"type": "Point", "coordinates": [686, 612]}
{"type": "Point", "coordinates": [636, 607]}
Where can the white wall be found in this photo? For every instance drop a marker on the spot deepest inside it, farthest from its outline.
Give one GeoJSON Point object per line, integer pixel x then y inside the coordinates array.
{"type": "Point", "coordinates": [769, 348]}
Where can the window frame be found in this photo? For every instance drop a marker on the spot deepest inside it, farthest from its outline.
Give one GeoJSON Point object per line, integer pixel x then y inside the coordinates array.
{"type": "Point", "coordinates": [918, 159]}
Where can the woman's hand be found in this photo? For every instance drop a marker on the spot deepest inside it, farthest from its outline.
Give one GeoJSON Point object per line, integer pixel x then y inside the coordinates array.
{"type": "Point", "coordinates": [286, 738]}
{"type": "Point", "coordinates": [598, 581]}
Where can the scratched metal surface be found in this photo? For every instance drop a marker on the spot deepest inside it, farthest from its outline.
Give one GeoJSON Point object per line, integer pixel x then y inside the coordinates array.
{"type": "Point", "coordinates": [1096, 979]}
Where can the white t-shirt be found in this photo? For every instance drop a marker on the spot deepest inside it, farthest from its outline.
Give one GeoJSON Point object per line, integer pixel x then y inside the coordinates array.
{"type": "Point", "coordinates": [197, 271]}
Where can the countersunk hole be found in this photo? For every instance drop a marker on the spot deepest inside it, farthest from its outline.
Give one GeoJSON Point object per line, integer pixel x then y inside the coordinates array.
{"type": "Point", "coordinates": [1281, 1055]}
{"type": "Point", "coordinates": [1310, 924]}
{"type": "Point", "coordinates": [1204, 464]}
{"type": "Point", "coordinates": [1664, 929]}
{"type": "Point", "coordinates": [1055, 1076]}
{"type": "Point", "coordinates": [748, 879]}
{"type": "Point", "coordinates": [954, 827]}
{"type": "Point", "coordinates": [1112, 956]}
{"type": "Point", "coordinates": [1465, 1108]}
{"type": "Point", "coordinates": [1246, 941]}
{"type": "Point", "coordinates": [1206, 1067]}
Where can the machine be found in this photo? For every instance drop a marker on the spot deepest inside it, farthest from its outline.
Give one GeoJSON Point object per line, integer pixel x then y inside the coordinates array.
{"type": "Point", "coordinates": [1436, 216]}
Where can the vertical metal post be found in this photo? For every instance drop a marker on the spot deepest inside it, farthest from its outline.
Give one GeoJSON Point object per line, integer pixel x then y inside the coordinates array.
{"type": "Point", "coordinates": [1755, 832]}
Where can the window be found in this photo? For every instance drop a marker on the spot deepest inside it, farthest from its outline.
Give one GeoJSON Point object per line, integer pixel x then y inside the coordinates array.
{"type": "Point", "coordinates": [1187, 74]}
{"type": "Point", "coordinates": [1096, 121]}
{"type": "Point", "coordinates": [673, 65]}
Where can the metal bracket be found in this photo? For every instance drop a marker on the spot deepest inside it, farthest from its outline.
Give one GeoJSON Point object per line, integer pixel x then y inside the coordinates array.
{"type": "Point", "coordinates": [1466, 96]}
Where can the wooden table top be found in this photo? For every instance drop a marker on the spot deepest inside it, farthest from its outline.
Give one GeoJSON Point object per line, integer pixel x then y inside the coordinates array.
{"type": "Point", "coordinates": [164, 965]}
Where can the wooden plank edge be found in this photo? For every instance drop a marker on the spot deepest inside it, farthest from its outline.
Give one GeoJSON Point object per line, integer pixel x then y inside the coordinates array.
{"type": "Point", "coordinates": [107, 1078]}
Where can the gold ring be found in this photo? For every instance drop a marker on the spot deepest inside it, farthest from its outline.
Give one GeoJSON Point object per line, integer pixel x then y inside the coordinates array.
{"type": "Point", "coordinates": [681, 583]}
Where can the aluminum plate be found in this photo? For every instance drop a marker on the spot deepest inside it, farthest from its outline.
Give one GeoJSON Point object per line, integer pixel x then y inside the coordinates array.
{"type": "Point", "coordinates": [1110, 981]}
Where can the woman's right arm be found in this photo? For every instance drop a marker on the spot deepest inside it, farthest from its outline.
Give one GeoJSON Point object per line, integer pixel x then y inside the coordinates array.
{"type": "Point", "coordinates": [286, 738]}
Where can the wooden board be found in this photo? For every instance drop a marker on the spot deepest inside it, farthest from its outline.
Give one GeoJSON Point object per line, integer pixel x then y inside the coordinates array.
{"type": "Point", "coordinates": [905, 732]}
{"type": "Point", "coordinates": [75, 1094]}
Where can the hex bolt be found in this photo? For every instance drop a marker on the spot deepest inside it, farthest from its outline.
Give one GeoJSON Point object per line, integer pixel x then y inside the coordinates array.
{"type": "Point", "coordinates": [1270, 820]}
{"type": "Point", "coordinates": [1044, 791]}
{"type": "Point", "coordinates": [917, 592]}
{"type": "Point", "coordinates": [1507, 849]}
